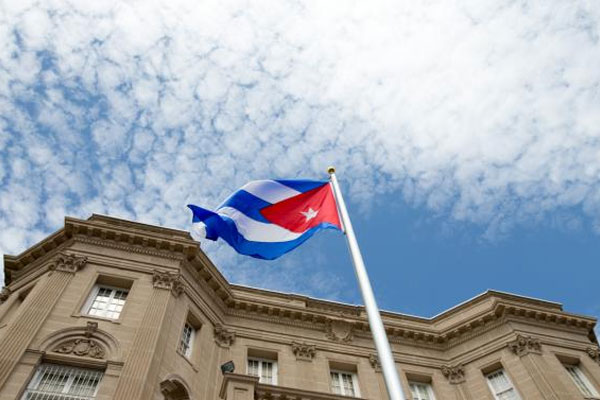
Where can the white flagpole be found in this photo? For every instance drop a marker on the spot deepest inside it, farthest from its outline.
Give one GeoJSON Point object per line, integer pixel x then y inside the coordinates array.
{"type": "Point", "coordinates": [388, 366]}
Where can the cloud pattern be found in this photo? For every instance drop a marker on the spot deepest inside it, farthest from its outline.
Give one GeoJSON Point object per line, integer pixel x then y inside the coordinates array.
{"type": "Point", "coordinates": [484, 112]}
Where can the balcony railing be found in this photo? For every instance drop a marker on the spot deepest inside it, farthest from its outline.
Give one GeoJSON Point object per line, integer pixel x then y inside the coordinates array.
{"type": "Point", "coordinates": [248, 385]}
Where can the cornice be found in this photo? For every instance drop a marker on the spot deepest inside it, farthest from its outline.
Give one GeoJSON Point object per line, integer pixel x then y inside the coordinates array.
{"type": "Point", "coordinates": [130, 248]}
{"type": "Point", "coordinates": [562, 318]}
{"type": "Point", "coordinates": [126, 236]}
{"type": "Point", "coordinates": [443, 331]}
{"type": "Point", "coordinates": [113, 233]}
{"type": "Point", "coordinates": [398, 333]}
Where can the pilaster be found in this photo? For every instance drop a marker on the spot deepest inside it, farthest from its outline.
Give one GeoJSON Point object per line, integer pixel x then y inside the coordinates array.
{"type": "Point", "coordinates": [456, 377]}
{"type": "Point", "coordinates": [529, 349]}
{"type": "Point", "coordinates": [34, 311]}
{"type": "Point", "coordinates": [136, 381]}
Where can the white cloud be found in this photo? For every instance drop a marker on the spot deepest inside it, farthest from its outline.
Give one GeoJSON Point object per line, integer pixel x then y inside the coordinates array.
{"type": "Point", "coordinates": [485, 112]}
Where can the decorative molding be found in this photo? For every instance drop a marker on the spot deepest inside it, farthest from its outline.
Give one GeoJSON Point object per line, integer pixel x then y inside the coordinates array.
{"type": "Point", "coordinates": [454, 373]}
{"type": "Point", "coordinates": [304, 351]}
{"type": "Point", "coordinates": [68, 263]}
{"type": "Point", "coordinates": [594, 353]}
{"type": "Point", "coordinates": [81, 347]}
{"type": "Point", "coordinates": [339, 309]}
{"type": "Point", "coordinates": [5, 294]}
{"type": "Point", "coordinates": [223, 336]}
{"type": "Point", "coordinates": [90, 329]}
{"type": "Point", "coordinates": [168, 281]}
{"type": "Point", "coordinates": [339, 330]}
{"type": "Point", "coordinates": [374, 361]}
{"type": "Point", "coordinates": [524, 345]}
{"type": "Point", "coordinates": [130, 248]}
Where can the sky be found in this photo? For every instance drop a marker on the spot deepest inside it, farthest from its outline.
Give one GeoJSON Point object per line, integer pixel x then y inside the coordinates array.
{"type": "Point", "coordinates": [466, 135]}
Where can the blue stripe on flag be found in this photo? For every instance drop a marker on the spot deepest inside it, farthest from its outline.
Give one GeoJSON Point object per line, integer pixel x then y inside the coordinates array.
{"type": "Point", "coordinates": [225, 228]}
{"type": "Point", "coordinates": [246, 203]}
{"type": "Point", "coordinates": [227, 231]}
{"type": "Point", "coordinates": [301, 185]}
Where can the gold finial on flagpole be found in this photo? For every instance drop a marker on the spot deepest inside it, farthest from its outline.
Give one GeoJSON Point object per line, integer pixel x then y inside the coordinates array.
{"type": "Point", "coordinates": [331, 170]}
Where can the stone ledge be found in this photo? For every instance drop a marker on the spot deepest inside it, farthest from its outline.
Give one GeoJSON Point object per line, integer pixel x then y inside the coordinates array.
{"type": "Point", "coordinates": [261, 391]}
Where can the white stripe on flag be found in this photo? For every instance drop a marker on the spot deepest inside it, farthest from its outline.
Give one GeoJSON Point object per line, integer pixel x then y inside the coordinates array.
{"type": "Point", "coordinates": [270, 191]}
{"type": "Point", "coordinates": [256, 231]}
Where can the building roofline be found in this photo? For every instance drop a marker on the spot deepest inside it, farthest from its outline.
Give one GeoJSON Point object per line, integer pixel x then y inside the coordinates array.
{"type": "Point", "coordinates": [438, 316]}
{"type": "Point", "coordinates": [169, 242]}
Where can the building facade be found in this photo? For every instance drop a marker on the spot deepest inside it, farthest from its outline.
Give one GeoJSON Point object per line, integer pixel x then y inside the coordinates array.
{"type": "Point", "coordinates": [111, 309]}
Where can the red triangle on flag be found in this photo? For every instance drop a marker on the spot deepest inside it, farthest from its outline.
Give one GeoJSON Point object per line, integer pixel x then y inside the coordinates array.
{"type": "Point", "coordinates": [304, 211]}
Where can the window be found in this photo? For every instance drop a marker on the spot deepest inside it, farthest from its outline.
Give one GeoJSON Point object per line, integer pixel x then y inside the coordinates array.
{"type": "Point", "coordinates": [266, 370]}
{"type": "Point", "coordinates": [106, 301]}
{"type": "Point", "coordinates": [187, 340]}
{"type": "Point", "coordinates": [501, 386]}
{"type": "Point", "coordinates": [421, 391]}
{"type": "Point", "coordinates": [58, 382]}
{"type": "Point", "coordinates": [581, 381]}
{"type": "Point", "coordinates": [344, 383]}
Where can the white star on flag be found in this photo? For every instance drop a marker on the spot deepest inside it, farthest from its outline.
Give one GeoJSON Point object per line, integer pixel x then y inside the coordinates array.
{"type": "Point", "coordinates": [310, 214]}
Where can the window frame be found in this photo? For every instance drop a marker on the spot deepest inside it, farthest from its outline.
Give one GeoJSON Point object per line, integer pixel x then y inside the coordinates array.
{"type": "Point", "coordinates": [493, 391]}
{"type": "Point", "coordinates": [428, 388]}
{"type": "Point", "coordinates": [354, 377]}
{"type": "Point", "coordinates": [188, 353]}
{"type": "Point", "coordinates": [72, 374]}
{"type": "Point", "coordinates": [587, 384]}
{"type": "Point", "coordinates": [87, 306]}
{"type": "Point", "coordinates": [260, 367]}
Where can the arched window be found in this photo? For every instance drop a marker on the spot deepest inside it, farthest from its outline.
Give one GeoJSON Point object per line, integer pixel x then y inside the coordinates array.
{"type": "Point", "coordinates": [174, 389]}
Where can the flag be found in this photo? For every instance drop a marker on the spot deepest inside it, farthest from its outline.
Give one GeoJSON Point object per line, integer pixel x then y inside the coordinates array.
{"type": "Point", "coordinates": [267, 218]}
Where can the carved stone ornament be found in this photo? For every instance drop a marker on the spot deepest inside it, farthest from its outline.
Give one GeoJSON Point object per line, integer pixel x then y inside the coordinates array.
{"type": "Point", "coordinates": [454, 373]}
{"type": "Point", "coordinates": [594, 354]}
{"type": "Point", "coordinates": [90, 329]}
{"type": "Point", "coordinates": [524, 345]}
{"type": "Point", "coordinates": [304, 351]}
{"type": "Point", "coordinates": [68, 263]}
{"type": "Point", "coordinates": [168, 281]}
{"type": "Point", "coordinates": [374, 361]}
{"type": "Point", "coordinates": [4, 294]}
{"type": "Point", "coordinates": [81, 347]}
{"type": "Point", "coordinates": [339, 330]}
{"type": "Point", "coordinates": [223, 336]}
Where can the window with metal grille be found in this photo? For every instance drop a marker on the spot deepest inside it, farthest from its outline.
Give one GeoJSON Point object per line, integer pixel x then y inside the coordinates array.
{"type": "Point", "coordinates": [106, 301]}
{"type": "Point", "coordinates": [59, 382]}
{"type": "Point", "coordinates": [421, 391]}
{"type": "Point", "coordinates": [187, 340]}
{"type": "Point", "coordinates": [581, 381]}
{"type": "Point", "coordinates": [344, 383]}
{"type": "Point", "coordinates": [266, 370]}
{"type": "Point", "coordinates": [501, 386]}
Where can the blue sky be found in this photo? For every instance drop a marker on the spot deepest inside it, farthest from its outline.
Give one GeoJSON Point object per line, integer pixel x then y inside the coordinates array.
{"type": "Point", "coordinates": [466, 135]}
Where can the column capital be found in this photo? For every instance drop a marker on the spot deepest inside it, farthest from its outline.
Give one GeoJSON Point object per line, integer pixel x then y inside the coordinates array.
{"type": "Point", "coordinates": [68, 263]}
{"type": "Point", "coordinates": [454, 373]}
{"type": "Point", "coordinates": [168, 281]}
{"type": "Point", "coordinates": [223, 336]}
{"type": "Point", "coordinates": [304, 351]}
{"type": "Point", "coordinates": [594, 353]}
{"type": "Point", "coordinates": [374, 361]}
{"type": "Point", "coordinates": [524, 345]}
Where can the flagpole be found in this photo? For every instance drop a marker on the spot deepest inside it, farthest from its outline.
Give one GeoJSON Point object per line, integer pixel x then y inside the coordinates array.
{"type": "Point", "coordinates": [388, 366]}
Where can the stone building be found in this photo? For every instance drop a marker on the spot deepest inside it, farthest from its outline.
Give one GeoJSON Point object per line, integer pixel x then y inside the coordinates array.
{"type": "Point", "coordinates": [111, 309]}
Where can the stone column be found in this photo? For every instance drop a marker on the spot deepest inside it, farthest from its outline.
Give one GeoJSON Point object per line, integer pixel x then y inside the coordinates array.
{"type": "Point", "coordinates": [529, 349]}
{"type": "Point", "coordinates": [34, 311]}
{"type": "Point", "coordinates": [456, 376]}
{"type": "Point", "coordinates": [136, 371]}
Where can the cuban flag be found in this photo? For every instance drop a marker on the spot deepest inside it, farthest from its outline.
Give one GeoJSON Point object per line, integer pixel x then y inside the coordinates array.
{"type": "Point", "coordinates": [267, 218]}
